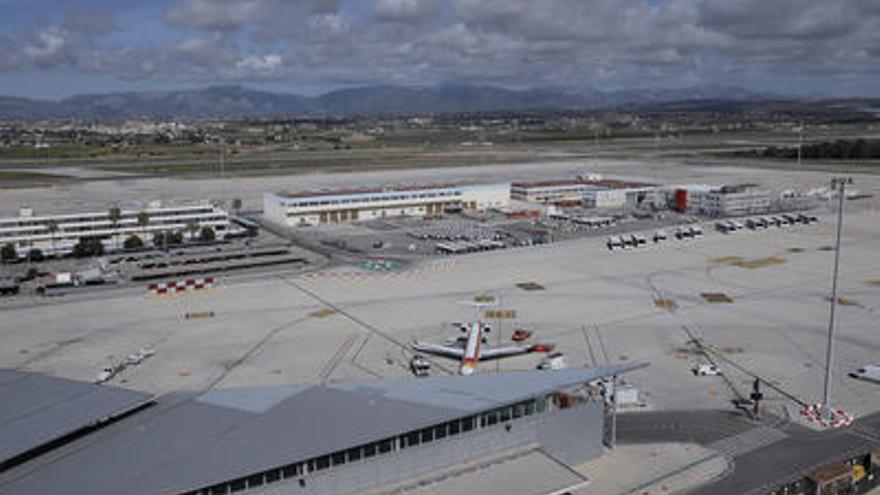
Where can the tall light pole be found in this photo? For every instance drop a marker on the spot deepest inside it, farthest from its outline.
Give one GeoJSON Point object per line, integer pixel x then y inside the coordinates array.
{"type": "Point", "coordinates": [839, 184]}
{"type": "Point", "coordinates": [800, 145]}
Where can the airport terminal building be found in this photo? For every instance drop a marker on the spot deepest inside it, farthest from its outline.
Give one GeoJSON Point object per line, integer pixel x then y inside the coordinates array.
{"type": "Point", "coordinates": [594, 193]}
{"type": "Point", "coordinates": [57, 234]}
{"type": "Point", "coordinates": [336, 438]}
{"type": "Point", "coordinates": [329, 207]}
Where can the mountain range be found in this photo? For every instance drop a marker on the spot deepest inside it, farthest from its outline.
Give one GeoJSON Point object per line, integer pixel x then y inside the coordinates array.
{"type": "Point", "coordinates": [243, 102]}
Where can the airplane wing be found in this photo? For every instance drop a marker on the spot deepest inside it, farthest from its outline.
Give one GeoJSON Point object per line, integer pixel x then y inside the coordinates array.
{"type": "Point", "coordinates": [500, 352]}
{"type": "Point", "coordinates": [439, 350]}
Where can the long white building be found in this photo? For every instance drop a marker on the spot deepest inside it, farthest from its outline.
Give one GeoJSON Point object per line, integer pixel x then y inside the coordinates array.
{"type": "Point", "coordinates": [323, 207]}
{"type": "Point", "coordinates": [29, 231]}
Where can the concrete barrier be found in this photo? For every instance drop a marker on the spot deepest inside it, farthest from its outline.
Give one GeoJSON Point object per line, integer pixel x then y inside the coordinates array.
{"type": "Point", "coordinates": [183, 285]}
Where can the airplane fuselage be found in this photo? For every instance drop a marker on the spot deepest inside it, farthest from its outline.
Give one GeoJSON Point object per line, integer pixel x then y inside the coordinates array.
{"type": "Point", "coordinates": [471, 356]}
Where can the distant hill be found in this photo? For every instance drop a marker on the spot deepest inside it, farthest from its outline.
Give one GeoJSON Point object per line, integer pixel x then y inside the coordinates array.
{"type": "Point", "coordinates": [242, 102]}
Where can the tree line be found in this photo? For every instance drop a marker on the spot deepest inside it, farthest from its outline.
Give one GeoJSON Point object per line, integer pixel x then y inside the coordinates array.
{"type": "Point", "coordinates": [841, 149]}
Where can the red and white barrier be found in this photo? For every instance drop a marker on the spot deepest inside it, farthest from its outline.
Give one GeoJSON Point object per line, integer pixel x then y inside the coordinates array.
{"type": "Point", "coordinates": [184, 285]}
{"type": "Point", "coordinates": [837, 419]}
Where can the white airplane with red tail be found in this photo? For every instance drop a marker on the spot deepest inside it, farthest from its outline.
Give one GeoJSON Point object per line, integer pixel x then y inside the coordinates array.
{"type": "Point", "coordinates": [470, 351]}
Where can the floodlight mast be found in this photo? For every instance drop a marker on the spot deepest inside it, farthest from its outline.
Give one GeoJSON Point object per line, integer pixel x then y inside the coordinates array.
{"type": "Point", "coordinates": [839, 184]}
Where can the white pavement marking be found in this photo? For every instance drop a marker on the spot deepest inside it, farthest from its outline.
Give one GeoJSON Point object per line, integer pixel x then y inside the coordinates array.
{"type": "Point", "coordinates": [748, 441]}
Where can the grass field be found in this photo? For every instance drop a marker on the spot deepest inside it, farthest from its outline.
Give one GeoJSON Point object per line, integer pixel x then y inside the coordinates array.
{"type": "Point", "coordinates": [16, 178]}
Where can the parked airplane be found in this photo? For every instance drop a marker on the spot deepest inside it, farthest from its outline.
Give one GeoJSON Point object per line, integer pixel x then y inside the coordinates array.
{"type": "Point", "coordinates": [469, 350]}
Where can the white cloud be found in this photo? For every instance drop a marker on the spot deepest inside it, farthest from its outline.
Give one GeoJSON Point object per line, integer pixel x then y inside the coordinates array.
{"type": "Point", "coordinates": [575, 43]}
{"type": "Point", "coordinates": [268, 65]}
{"type": "Point", "coordinates": [46, 43]}
{"type": "Point", "coordinates": [222, 15]}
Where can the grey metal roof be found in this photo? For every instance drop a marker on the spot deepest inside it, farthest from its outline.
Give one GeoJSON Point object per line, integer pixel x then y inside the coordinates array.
{"type": "Point", "coordinates": [36, 409]}
{"type": "Point", "coordinates": [192, 440]}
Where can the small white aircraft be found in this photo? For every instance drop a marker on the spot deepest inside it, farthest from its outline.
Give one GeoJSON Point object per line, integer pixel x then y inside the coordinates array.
{"type": "Point", "coordinates": [469, 350]}
{"type": "Point", "coordinates": [869, 372]}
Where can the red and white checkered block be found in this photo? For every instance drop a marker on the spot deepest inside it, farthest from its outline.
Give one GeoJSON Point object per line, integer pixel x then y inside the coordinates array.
{"type": "Point", "coordinates": [184, 285]}
{"type": "Point", "coordinates": [837, 419]}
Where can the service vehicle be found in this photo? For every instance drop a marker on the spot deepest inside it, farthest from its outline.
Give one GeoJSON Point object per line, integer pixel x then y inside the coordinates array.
{"type": "Point", "coordinates": [706, 370]}
{"type": "Point", "coordinates": [614, 242]}
{"type": "Point", "coordinates": [869, 372]}
{"type": "Point", "coordinates": [419, 366]}
{"type": "Point", "coordinates": [554, 361]}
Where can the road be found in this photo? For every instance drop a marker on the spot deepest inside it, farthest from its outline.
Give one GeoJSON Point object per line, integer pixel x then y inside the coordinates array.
{"type": "Point", "coordinates": [783, 452]}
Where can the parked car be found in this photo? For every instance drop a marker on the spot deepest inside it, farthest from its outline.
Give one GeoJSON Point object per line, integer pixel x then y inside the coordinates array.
{"type": "Point", "coordinates": [706, 370]}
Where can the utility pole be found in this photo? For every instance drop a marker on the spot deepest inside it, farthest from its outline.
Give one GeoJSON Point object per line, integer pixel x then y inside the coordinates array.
{"type": "Point", "coordinates": [800, 144]}
{"type": "Point", "coordinates": [839, 184]}
{"type": "Point", "coordinates": [613, 411]}
{"type": "Point", "coordinates": [498, 330]}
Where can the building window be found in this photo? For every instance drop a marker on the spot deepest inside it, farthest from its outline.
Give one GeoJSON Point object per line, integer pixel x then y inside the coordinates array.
{"type": "Point", "coordinates": [518, 411]}
{"type": "Point", "coordinates": [354, 454]}
{"type": "Point", "coordinates": [468, 423]}
{"type": "Point", "coordinates": [322, 462]}
{"type": "Point", "coordinates": [290, 471]}
{"type": "Point", "coordinates": [338, 458]}
{"type": "Point", "coordinates": [541, 405]}
{"type": "Point", "coordinates": [385, 446]}
{"type": "Point", "coordinates": [440, 431]}
{"type": "Point", "coordinates": [410, 439]}
{"type": "Point", "coordinates": [255, 480]}
{"type": "Point", "coordinates": [369, 450]}
{"type": "Point", "coordinates": [454, 427]}
{"type": "Point", "coordinates": [238, 485]}
{"type": "Point", "coordinates": [505, 414]}
{"type": "Point", "coordinates": [427, 435]}
{"type": "Point", "coordinates": [273, 475]}
{"type": "Point", "coordinates": [491, 418]}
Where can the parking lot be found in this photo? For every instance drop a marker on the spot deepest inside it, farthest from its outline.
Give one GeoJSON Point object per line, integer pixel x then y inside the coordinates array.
{"type": "Point", "coordinates": [415, 238]}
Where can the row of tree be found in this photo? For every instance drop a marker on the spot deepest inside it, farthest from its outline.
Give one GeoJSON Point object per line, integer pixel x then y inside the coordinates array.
{"type": "Point", "coordinates": [89, 246]}
{"type": "Point", "coordinates": [841, 149]}
{"type": "Point", "coordinates": [92, 246]}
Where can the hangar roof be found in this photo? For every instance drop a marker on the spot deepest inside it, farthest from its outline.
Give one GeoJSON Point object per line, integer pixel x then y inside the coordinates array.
{"type": "Point", "coordinates": [192, 440]}
{"type": "Point", "coordinates": [37, 409]}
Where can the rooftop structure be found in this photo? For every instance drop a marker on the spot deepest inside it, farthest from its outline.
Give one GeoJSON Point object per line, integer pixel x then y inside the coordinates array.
{"type": "Point", "coordinates": [320, 207]}
{"type": "Point", "coordinates": [336, 438]}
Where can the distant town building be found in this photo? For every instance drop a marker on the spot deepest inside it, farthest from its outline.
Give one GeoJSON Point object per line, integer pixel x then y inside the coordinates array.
{"type": "Point", "coordinates": [323, 207]}
{"type": "Point", "coordinates": [57, 234]}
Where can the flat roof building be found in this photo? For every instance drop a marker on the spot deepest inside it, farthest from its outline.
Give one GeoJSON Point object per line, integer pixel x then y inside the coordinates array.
{"type": "Point", "coordinates": [338, 438]}
{"type": "Point", "coordinates": [597, 193]}
{"type": "Point", "coordinates": [327, 207]}
{"type": "Point", "coordinates": [737, 200]}
{"type": "Point", "coordinates": [57, 234]}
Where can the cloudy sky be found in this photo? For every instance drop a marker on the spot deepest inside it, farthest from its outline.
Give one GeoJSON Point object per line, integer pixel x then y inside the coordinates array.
{"type": "Point", "coordinates": [57, 48]}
